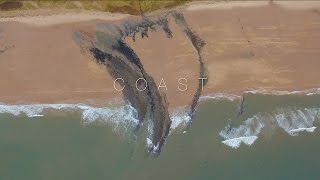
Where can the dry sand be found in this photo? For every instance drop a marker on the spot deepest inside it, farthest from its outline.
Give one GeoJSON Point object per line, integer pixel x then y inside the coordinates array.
{"type": "Point", "coordinates": [252, 46]}
{"type": "Point", "coordinates": [44, 65]}
{"type": "Point", "coordinates": [259, 47]}
{"type": "Point", "coordinates": [290, 4]}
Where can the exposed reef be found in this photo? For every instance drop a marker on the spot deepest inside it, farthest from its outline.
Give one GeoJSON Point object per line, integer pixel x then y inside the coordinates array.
{"type": "Point", "coordinates": [110, 49]}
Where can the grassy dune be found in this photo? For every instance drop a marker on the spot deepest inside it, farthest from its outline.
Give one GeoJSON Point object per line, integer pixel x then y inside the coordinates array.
{"type": "Point", "coordinates": [122, 6]}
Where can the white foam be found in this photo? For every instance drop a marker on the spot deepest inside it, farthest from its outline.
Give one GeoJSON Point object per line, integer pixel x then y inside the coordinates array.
{"type": "Point", "coordinates": [308, 92]}
{"type": "Point", "coordinates": [120, 116]}
{"type": "Point", "coordinates": [236, 142]}
{"type": "Point", "coordinates": [180, 118]}
{"type": "Point", "coordinates": [150, 144]}
{"type": "Point", "coordinates": [311, 129]}
{"type": "Point", "coordinates": [245, 133]}
{"type": "Point", "coordinates": [38, 115]}
{"type": "Point", "coordinates": [233, 97]}
{"type": "Point", "coordinates": [220, 96]}
{"type": "Point", "coordinates": [295, 121]}
{"type": "Point", "coordinates": [292, 121]}
{"type": "Point", "coordinates": [152, 148]}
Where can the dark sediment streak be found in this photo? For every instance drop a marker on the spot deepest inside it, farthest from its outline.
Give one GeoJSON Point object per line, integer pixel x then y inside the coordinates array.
{"type": "Point", "coordinates": [197, 44]}
{"type": "Point", "coordinates": [157, 102]}
{"type": "Point", "coordinates": [241, 107]}
{"type": "Point", "coordinates": [121, 61]}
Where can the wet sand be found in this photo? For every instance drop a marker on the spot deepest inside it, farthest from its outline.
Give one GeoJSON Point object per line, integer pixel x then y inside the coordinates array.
{"type": "Point", "coordinates": [265, 46]}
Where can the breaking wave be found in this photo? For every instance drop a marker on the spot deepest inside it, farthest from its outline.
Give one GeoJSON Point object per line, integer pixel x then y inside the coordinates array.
{"type": "Point", "coordinates": [292, 121]}
{"type": "Point", "coordinates": [220, 96]}
{"type": "Point", "coordinates": [180, 118]}
{"type": "Point", "coordinates": [297, 121]}
{"type": "Point", "coordinates": [308, 92]}
{"type": "Point", "coordinates": [245, 133]}
{"type": "Point", "coordinates": [150, 145]}
{"type": "Point", "coordinates": [179, 121]}
{"type": "Point", "coordinates": [233, 97]}
{"type": "Point", "coordinates": [122, 116]}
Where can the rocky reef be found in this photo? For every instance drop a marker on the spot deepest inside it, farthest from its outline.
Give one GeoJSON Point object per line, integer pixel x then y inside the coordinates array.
{"type": "Point", "coordinates": [109, 48]}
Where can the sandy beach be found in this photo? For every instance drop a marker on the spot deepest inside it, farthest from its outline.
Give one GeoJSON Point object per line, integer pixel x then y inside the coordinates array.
{"type": "Point", "coordinates": [44, 65]}
{"type": "Point", "coordinates": [272, 46]}
{"type": "Point", "coordinates": [249, 45]}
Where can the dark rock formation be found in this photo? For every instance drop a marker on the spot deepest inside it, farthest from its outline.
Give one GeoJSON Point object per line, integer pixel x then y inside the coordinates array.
{"type": "Point", "coordinates": [198, 44]}
{"type": "Point", "coordinates": [121, 61]}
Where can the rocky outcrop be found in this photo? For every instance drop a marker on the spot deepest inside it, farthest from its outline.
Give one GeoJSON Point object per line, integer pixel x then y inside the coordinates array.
{"type": "Point", "coordinates": [121, 61]}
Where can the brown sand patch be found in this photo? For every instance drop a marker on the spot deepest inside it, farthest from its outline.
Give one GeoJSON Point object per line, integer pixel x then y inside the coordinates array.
{"type": "Point", "coordinates": [267, 47]}
{"type": "Point", "coordinates": [46, 66]}
{"type": "Point", "coordinates": [218, 5]}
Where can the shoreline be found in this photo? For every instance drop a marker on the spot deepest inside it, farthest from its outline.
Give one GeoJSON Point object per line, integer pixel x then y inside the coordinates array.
{"type": "Point", "coordinates": [204, 97]}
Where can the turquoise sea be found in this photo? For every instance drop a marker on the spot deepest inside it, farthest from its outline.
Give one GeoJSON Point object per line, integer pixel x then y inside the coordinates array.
{"type": "Point", "coordinates": [276, 138]}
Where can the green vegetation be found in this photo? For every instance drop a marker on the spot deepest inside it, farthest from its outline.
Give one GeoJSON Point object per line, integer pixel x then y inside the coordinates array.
{"type": "Point", "coordinates": [122, 6]}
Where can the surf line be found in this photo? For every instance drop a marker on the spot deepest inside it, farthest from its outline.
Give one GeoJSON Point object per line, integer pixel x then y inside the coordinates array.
{"type": "Point", "coordinates": [141, 84]}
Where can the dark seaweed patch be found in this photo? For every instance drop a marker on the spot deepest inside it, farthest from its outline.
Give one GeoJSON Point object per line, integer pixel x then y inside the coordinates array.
{"type": "Point", "coordinates": [99, 55]}
{"type": "Point", "coordinates": [124, 49]}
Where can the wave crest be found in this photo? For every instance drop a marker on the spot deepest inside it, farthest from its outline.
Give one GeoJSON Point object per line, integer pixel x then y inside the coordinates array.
{"type": "Point", "coordinates": [292, 121]}
{"type": "Point", "coordinates": [246, 133]}
{"type": "Point", "coordinates": [121, 116]}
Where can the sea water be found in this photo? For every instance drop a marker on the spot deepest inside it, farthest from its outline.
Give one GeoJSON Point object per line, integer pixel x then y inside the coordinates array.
{"type": "Point", "coordinates": [276, 137]}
